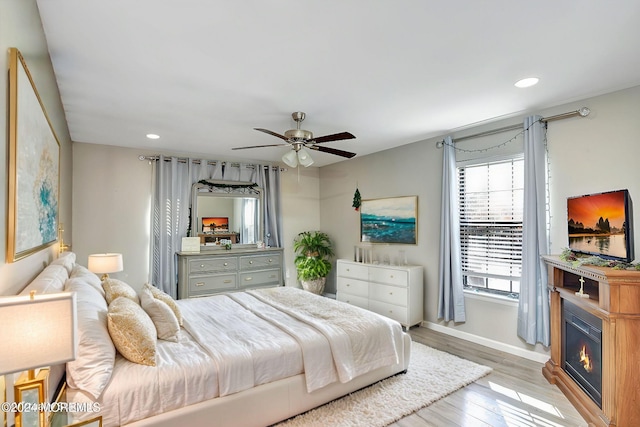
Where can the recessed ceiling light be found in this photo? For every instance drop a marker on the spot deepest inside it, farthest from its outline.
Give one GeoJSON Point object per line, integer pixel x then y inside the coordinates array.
{"type": "Point", "coordinates": [152, 136]}
{"type": "Point", "coordinates": [529, 81]}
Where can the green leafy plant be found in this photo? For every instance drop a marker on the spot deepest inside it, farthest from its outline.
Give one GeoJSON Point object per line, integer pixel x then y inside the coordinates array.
{"type": "Point", "coordinates": [313, 248]}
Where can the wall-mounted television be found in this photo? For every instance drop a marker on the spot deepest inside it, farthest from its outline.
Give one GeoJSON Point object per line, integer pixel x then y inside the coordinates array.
{"type": "Point", "coordinates": [215, 224]}
{"type": "Point", "coordinates": [602, 224]}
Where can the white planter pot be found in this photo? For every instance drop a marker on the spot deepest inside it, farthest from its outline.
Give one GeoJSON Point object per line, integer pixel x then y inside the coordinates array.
{"type": "Point", "coordinates": [314, 286]}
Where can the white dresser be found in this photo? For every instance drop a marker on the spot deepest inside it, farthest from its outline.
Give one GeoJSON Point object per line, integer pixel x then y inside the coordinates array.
{"type": "Point", "coordinates": [216, 271]}
{"type": "Point", "coordinates": [393, 291]}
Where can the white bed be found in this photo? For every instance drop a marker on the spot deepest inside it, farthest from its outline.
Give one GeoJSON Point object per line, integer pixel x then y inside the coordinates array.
{"type": "Point", "coordinates": [244, 359]}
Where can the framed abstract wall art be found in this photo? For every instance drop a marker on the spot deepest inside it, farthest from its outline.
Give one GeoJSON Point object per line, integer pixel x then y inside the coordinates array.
{"type": "Point", "coordinates": [390, 220]}
{"type": "Point", "coordinates": [34, 167]}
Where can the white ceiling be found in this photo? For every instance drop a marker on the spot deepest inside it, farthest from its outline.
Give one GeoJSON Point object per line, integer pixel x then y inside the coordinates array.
{"type": "Point", "coordinates": [203, 73]}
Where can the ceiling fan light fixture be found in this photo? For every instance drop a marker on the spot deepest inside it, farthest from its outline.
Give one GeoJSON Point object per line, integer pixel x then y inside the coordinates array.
{"type": "Point", "coordinates": [304, 157]}
{"type": "Point", "coordinates": [290, 158]}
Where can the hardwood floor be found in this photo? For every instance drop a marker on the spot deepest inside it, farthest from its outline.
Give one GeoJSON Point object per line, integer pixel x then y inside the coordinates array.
{"type": "Point", "coordinates": [514, 394]}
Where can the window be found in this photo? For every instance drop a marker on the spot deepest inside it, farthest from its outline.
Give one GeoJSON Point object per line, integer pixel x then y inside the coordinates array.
{"type": "Point", "coordinates": [491, 205]}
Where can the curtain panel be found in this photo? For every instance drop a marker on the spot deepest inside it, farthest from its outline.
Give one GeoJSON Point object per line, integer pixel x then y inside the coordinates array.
{"type": "Point", "coordinates": [451, 290]}
{"type": "Point", "coordinates": [533, 304]}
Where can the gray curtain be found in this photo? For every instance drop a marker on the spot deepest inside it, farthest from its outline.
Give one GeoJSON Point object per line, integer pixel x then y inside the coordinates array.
{"type": "Point", "coordinates": [451, 295]}
{"type": "Point", "coordinates": [171, 208]}
{"type": "Point", "coordinates": [533, 305]}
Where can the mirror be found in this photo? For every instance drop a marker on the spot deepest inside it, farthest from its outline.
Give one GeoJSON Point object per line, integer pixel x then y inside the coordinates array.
{"type": "Point", "coordinates": [226, 212]}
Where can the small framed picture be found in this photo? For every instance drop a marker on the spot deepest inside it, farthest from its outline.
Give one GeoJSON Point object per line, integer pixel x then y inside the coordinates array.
{"type": "Point", "coordinates": [32, 391]}
{"type": "Point", "coordinates": [93, 422]}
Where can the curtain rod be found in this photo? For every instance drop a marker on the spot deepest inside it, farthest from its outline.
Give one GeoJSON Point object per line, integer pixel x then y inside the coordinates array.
{"type": "Point", "coordinates": [582, 112]}
{"type": "Point", "coordinates": [196, 161]}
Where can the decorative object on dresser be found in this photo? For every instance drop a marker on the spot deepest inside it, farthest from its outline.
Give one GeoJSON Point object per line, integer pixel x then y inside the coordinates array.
{"type": "Point", "coordinates": [105, 264]}
{"type": "Point", "coordinates": [216, 271]}
{"type": "Point", "coordinates": [37, 331]}
{"type": "Point", "coordinates": [393, 291]}
{"type": "Point", "coordinates": [312, 250]}
{"type": "Point", "coordinates": [594, 341]}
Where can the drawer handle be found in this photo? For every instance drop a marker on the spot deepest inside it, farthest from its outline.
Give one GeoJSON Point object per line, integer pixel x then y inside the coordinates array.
{"type": "Point", "coordinates": [248, 279]}
{"type": "Point", "coordinates": [391, 276]}
{"type": "Point", "coordinates": [250, 262]}
{"type": "Point", "coordinates": [390, 311]}
{"type": "Point", "coordinates": [270, 260]}
{"type": "Point", "coordinates": [390, 293]}
{"type": "Point", "coordinates": [348, 284]}
{"type": "Point", "coordinates": [200, 284]}
{"type": "Point", "coordinates": [227, 281]}
{"type": "Point", "coordinates": [226, 263]}
{"type": "Point", "coordinates": [201, 265]}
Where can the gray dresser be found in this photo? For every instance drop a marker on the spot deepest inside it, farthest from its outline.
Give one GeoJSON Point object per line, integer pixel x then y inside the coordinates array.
{"type": "Point", "coordinates": [216, 271]}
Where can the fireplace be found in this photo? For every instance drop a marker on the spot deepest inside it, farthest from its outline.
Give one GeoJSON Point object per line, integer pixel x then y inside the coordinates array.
{"type": "Point", "coordinates": [582, 349]}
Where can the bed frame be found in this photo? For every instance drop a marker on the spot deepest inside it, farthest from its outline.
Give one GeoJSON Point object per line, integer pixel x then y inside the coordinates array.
{"type": "Point", "coordinates": [269, 403]}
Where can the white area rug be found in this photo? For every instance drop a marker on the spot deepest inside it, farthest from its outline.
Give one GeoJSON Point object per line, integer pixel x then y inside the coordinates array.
{"type": "Point", "coordinates": [432, 374]}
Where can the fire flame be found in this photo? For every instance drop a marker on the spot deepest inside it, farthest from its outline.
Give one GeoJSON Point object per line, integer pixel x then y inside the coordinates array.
{"type": "Point", "coordinates": [585, 359]}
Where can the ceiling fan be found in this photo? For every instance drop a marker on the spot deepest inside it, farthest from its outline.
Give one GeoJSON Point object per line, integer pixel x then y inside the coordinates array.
{"type": "Point", "coordinates": [301, 141]}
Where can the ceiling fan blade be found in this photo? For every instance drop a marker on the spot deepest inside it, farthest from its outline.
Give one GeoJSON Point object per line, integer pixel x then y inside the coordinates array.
{"type": "Point", "coordinates": [277, 135]}
{"type": "Point", "coordinates": [334, 137]}
{"type": "Point", "coordinates": [260, 146]}
{"type": "Point", "coordinates": [329, 150]}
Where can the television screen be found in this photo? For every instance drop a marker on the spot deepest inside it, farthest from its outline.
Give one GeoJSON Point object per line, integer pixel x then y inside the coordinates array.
{"type": "Point", "coordinates": [601, 224]}
{"type": "Point", "coordinates": [215, 224]}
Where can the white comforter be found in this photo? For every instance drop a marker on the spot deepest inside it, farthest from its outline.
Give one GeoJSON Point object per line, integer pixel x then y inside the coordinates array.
{"type": "Point", "coordinates": [234, 342]}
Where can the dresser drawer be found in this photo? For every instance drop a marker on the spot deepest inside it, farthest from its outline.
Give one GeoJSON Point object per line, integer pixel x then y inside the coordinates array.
{"type": "Point", "coordinates": [260, 278]}
{"type": "Point", "coordinates": [353, 286]}
{"type": "Point", "coordinates": [394, 312]}
{"type": "Point", "coordinates": [260, 261]}
{"type": "Point", "coordinates": [352, 270]}
{"type": "Point", "coordinates": [389, 276]}
{"type": "Point", "coordinates": [358, 301]}
{"type": "Point", "coordinates": [388, 294]}
{"type": "Point", "coordinates": [204, 285]}
{"type": "Point", "coordinates": [212, 264]}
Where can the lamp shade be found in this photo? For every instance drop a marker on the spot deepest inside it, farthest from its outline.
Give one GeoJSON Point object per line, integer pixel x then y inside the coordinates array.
{"type": "Point", "coordinates": [105, 263]}
{"type": "Point", "coordinates": [37, 331]}
{"type": "Point", "coordinates": [290, 158]}
{"type": "Point", "coordinates": [304, 157]}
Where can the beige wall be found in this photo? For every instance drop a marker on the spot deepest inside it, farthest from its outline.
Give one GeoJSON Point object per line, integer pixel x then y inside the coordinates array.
{"type": "Point", "coordinates": [20, 27]}
{"type": "Point", "coordinates": [586, 155]}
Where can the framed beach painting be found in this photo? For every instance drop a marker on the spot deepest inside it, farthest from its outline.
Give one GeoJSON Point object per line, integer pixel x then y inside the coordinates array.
{"type": "Point", "coordinates": [390, 220]}
{"type": "Point", "coordinates": [34, 167]}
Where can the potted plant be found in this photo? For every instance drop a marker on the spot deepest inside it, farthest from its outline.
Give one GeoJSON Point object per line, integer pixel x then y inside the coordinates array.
{"type": "Point", "coordinates": [312, 250]}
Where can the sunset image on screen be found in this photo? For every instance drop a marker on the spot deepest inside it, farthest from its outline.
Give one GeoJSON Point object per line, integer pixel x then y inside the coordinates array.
{"type": "Point", "coordinates": [588, 210]}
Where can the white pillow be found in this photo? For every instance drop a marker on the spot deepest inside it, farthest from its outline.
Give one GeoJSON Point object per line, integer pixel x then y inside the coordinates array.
{"type": "Point", "coordinates": [93, 366]}
{"type": "Point", "coordinates": [80, 272]}
{"type": "Point", "coordinates": [50, 280]}
{"type": "Point", "coordinates": [66, 259]}
{"type": "Point", "coordinates": [166, 298]}
{"type": "Point", "coordinates": [132, 331]}
{"type": "Point", "coordinates": [114, 288]}
{"type": "Point", "coordinates": [163, 317]}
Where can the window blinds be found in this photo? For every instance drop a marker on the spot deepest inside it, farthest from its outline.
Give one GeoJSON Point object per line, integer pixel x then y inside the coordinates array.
{"type": "Point", "coordinates": [491, 205]}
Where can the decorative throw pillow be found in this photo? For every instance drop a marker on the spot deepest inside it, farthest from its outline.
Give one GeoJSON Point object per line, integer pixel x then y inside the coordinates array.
{"type": "Point", "coordinates": [163, 317]}
{"type": "Point", "coordinates": [132, 331]}
{"type": "Point", "coordinates": [166, 298]}
{"type": "Point", "coordinates": [67, 260]}
{"type": "Point", "coordinates": [114, 288]}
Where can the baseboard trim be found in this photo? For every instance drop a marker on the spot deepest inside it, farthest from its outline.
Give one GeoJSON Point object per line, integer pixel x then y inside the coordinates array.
{"type": "Point", "coordinates": [507, 348]}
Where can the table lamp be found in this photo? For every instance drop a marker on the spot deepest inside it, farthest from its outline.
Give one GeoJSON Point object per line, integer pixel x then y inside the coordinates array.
{"type": "Point", "coordinates": [37, 331]}
{"type": "Point", "coordinates": [105, 264]}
